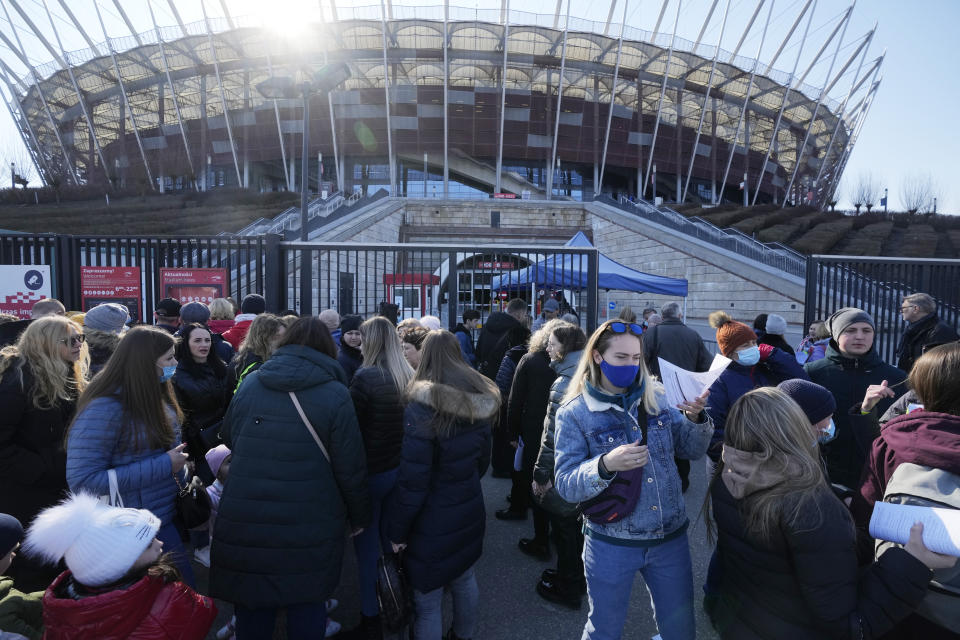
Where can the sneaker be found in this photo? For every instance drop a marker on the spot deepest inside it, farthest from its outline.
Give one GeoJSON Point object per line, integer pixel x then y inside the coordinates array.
{"type": "Point", "coordinates": [333, 628]}
{"type": "Point", "coordinates": [510, 514]}
{"type": "Point", "coordinates": [227, 631]}
{"type": "Point", "coordinates": [203, 556]}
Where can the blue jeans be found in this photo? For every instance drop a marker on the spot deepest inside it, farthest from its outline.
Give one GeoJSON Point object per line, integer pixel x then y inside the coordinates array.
{"type": "Point", "coordinates": [466, 597]}
{"type": "Point", "coordinates": [666, 568]}
{"type": "Point", "coordinates": [306, 621]}
{"type": "Point", "coordinates": [368, 545]}
{"type": "Point", "coordinates": [172, 544]}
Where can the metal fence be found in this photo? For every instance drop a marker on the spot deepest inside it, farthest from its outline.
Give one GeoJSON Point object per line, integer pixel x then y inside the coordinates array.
{"type": "Point", "coordinates": [878, 286]}
{"type": "Point", "coordinates": [421, 279]}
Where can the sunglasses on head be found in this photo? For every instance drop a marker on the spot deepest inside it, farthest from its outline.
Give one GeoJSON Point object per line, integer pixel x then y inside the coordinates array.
{"type": "Point", "coordinates": [623, 327]}
{"type": "Point", "coordinates": [73, 340]}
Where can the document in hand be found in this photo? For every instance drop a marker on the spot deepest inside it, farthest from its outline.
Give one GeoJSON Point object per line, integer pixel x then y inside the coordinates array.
{"type": "Point", "coordinates": [683, 386]}
{"type": "Point", "coordinates": [941, 527]}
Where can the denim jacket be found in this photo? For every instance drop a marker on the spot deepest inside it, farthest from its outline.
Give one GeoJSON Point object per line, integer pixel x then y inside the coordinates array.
{"type": "Point", "coordinates": [587, 428]}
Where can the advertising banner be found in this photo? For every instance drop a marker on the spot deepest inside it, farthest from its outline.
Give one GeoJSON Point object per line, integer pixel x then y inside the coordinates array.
{"type": "Point", "coordinates": [193, 285]}
{"type": "Point", "coordinates": [21, 286]}
{"type": "Point", "coordinates": [111, 284]}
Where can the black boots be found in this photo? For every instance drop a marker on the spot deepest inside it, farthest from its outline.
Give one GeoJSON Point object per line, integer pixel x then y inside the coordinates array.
{"type": "Point", "coordinates": [566, 593]}
{"type": "Point", "coordinates": [452, 636]}
{"type": "Point", "coordinates": [534, 548]}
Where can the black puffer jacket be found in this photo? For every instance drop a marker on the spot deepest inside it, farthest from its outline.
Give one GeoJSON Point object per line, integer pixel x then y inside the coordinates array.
{"type": "Point", "coordinates": [847, 379]}
{"type": "Point", "coordinates": [202, 395]}
{"type": "Point", "coordinates": [804, 584]}
{"type": "Point", "coordinates": [280, 527]}
{"type": "Point", "coordinates": [379, 410]}
{"type": "Point", "coordinates": [437, 507]}
{"type": "Point", "coordinates": [527, 405]}
{"type": "Point", "coordinates": [239, 368]}
{"type": "Point", "coordinates": [350, 359]}
{"type": "Point", "coordinates": [33, 462]}
{"type": "Point", "coordinates": [544, 467]}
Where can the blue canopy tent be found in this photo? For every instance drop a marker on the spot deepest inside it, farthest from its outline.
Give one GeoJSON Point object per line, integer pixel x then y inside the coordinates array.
{"type": "Point", "coordinates": [569, 271]}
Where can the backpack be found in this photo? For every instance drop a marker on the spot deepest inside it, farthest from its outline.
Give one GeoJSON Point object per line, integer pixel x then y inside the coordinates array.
{"type": "Point", "coordinates": [924, 486]}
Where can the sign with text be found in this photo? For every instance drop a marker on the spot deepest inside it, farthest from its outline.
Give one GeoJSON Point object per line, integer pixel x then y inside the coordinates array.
{"type": "Point", "coordinates": [193, 285]}
{"type": "Point", "coordinates": [494, 265]}
{"type": "Point", "coordinates": [21, 286]}
{"type": "Point", "coordinates": [111, 284]}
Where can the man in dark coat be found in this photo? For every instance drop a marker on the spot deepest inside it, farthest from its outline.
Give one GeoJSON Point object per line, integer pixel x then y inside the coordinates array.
{"type": "Point", "coordinates": [492, 343]}
{"type": "Point", "coordinates": [675, 342]}
{"type": "Point", "coordinates": [924, 328]}
{"type": "Point", "coordinates": [680, 345]}
{"type": "Point", "coordinates": [850, 366]}
{"type": "Point", "coordinates": [279, 536]}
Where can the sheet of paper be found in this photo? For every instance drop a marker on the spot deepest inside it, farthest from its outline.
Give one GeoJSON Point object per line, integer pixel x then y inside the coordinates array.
{"type": "Point", "coordinates": [683, 386]}
{"type": "Point", "coordinates": [941, 527]}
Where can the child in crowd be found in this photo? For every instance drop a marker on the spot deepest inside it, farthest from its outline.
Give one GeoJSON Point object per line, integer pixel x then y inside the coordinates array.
{"type": "Point", "coordinates": [21, 614]}
{"type": "Point", "coordinates": [117, 582]}
{"type": "Point", "coordinates": [218, 459]}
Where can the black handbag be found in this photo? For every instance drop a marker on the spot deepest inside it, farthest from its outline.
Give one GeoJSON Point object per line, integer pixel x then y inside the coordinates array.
{"type": "Point", "coordinates": [192, 503]}
{"type": "Point", "coordinates": [394, 593]}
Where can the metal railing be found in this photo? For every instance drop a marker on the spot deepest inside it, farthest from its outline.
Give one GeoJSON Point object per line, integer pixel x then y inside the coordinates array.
{"type": "Point", "coordinates": [421, 279]}
{"type": "Point", "coordinates": [773, 255]}
{"type": "Point", "coordinates": [878, 286]}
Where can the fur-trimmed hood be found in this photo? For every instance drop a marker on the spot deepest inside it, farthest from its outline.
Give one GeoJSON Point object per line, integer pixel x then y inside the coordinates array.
{"type": "Point", "coordinates": [455, 402]}
{"type": "Point", "coordinates": [105, 341]}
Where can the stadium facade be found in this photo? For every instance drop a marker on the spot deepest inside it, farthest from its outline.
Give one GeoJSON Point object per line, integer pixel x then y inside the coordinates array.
{"type": "Point", "coordinates": [442, 101]}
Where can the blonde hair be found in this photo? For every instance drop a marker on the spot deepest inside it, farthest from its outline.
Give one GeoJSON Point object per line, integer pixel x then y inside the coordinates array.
{"type": "Point", "coordinates": [540, 338]}
{"type": "Point", "coordinates": [38, 348]}
{"type": "Point", "coordinates": [261, 336]}
{"type": "Point", "coordinates": [768, 423]}
{"type": "Point", "coordinates": [407, 325]}
{"type": "Point", "coordinates": [221, 309]}
{"type": "Point", "coordinates": [381, 349]}
{"type": "Point", "coordinates": [589, 371]}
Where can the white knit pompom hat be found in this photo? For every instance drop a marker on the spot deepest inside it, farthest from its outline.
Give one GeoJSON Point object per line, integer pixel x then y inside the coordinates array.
{"type": "Point", "coordinates": [98, 542]}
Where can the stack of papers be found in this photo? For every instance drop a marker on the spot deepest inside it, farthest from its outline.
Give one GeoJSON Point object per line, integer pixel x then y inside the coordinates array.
{"type": "Point", "coordinates": [685, 386]}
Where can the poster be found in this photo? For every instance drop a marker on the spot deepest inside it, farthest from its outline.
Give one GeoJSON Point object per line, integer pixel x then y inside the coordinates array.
{"type": "Point", "coordinates": [193, 285]}
{"type": "Point", "coordinates": [111, 284]}
{"type": "Point", "coordinates": [21, 286]}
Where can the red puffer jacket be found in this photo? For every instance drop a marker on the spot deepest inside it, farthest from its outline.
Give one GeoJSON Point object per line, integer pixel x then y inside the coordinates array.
{"type": "Point", "coordinates": [147, 610]}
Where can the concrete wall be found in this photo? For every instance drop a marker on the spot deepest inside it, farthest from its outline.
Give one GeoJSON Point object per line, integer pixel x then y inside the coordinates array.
{"type": "Point", "coordinates": [718, 279]}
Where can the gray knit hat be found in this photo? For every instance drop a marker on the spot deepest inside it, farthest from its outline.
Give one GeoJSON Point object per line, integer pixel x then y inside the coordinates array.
{"type": "Point", "coordinates": [776, 325]}
{"type": "Point", "coordinates": [109, 316]}
{"type": "Point", "coordinates": [843, 318]}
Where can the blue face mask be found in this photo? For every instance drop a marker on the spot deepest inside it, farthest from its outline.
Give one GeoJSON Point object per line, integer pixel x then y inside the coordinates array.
{"type": "Point", "coordinates": [168, 373]}
{"type": "Point", "coordinates": [620, 375]}
{"type": "Point", "coordinates": [828, 434]}
{"type": "Point", "coordinates": [749, 357]}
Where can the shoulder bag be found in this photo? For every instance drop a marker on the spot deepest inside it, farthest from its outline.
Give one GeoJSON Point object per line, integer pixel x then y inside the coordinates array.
{"type": "Point", "coordinates": [306, 421]}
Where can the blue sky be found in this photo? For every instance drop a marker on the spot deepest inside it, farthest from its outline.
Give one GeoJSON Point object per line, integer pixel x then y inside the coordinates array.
{"type": "Point", "coordinates": [908, 131]}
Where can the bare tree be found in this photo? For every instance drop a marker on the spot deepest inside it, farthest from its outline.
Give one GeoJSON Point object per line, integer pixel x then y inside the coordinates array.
{"type": "Point", "coordinates": [865, 192]}
{"type": "Point", "coordinates": [917, 193]}
{"type": "Point", "coordinates": [18, 165]}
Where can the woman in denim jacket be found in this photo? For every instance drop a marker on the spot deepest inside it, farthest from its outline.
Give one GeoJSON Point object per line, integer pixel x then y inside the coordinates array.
{"type": "Point", "coordinates": [600, 432]}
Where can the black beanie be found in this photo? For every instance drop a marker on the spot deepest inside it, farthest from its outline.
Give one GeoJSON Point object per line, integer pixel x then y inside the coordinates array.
{"type": "Point", "coordinates": [253, 303]}
{"type": "Point", "coordinates": [816, 401]}
{"type": "Point", "coordinates": [11, 532]}
{"type": "Point", "coordinates": [350, 323]}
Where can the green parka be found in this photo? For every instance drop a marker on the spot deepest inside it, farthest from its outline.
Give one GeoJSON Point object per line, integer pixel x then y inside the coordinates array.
{"type": "Point", "coordinates": [280, 528]}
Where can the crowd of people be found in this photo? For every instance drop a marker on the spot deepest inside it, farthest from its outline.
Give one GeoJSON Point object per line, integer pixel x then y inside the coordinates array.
{"type": "Point", "coordinates": [301, 434]}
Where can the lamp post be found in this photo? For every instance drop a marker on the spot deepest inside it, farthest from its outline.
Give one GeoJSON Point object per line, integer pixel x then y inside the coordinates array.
{"type": "Point", "coordinates": [279, 87]}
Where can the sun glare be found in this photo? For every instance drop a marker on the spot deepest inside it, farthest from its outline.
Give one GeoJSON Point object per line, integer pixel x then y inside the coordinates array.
{"type": "Point", "coordinates": [288, 18]}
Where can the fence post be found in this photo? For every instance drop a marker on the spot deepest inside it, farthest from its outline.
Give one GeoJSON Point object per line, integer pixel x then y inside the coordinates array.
{"type": "Point", "coordinates": [453, 287]}
{"type": "Point", "coordinates": [810, 293]}
{"type": "Point", "coordinates": [593, 275]}
{"type": "Point", "coordinates": [64, 271]}
{"type": "Point", "coordinates": [275, 284]}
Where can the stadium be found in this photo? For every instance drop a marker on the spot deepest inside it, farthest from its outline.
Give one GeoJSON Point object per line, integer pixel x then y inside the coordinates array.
{"type": "Point", "coordinates": [435, 101]}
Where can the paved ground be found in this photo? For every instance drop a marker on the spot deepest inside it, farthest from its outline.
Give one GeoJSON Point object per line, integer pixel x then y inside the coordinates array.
{"type": "Point", "coordinates": [510, 608]}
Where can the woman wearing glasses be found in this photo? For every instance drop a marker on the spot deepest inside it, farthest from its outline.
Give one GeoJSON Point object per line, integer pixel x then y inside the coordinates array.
{"type": "Point", "coordinates": [41, 377]}
{"type": "Point", "coordinates": [615, 443]}
{"type": "Point", "coordinates": [128, 420]}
